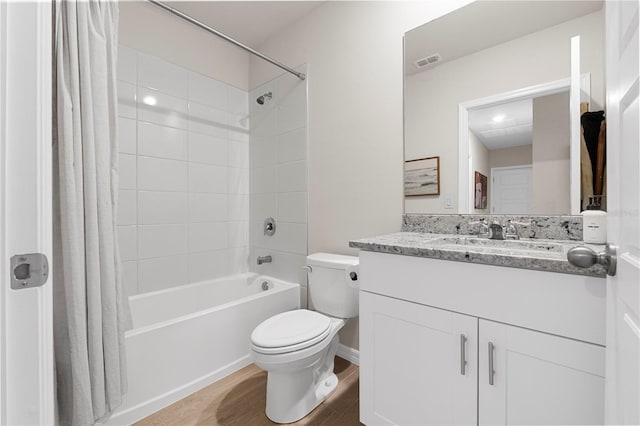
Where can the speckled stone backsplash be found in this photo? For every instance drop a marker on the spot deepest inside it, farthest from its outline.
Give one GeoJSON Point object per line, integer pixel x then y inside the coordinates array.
{"type": "Point", "coordinates": [543, 227]}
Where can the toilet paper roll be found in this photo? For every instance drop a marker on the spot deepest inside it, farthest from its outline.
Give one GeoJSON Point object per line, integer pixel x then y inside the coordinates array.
{"type": "Point", "coordinates": [352, 269]}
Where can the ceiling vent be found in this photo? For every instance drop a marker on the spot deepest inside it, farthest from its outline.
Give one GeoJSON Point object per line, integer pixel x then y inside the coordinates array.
{"type": "Point", "coordinates": [429, 60]}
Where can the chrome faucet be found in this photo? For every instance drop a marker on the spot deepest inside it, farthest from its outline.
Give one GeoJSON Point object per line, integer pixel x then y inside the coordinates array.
{"type": "Point", "coordinates": [484, 227]}
{"type": "Point", "coordinates": [510, 231]}
{"type": "Point", "coordinates": [496, 231]}
{"type": "Point", "coordinates": [264, 259]}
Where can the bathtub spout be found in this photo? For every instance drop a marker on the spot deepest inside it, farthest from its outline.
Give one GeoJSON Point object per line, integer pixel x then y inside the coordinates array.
{"type": "Point", "coordinates": [264, 259]}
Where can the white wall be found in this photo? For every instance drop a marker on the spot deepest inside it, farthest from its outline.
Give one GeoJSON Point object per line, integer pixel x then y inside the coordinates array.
{"type": "Point", "coordinates": [355, 68]}
{"type": "Point", "coordinates": [550, 154]}
{"type": "Point", "coordinates": [512, 156]}
{"type": "Point", "coordinates": [534, 59]}
{"type": "Point", "coordinates": [184, 175]}
{"type": "Point", "coordinates": [279, 178]}
{"type": "Point", "coordinates": [151, 30]}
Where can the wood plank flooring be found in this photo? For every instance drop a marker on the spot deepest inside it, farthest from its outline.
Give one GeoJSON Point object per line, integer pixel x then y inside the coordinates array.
{"type": "Point", "coordinates": [239, 400]}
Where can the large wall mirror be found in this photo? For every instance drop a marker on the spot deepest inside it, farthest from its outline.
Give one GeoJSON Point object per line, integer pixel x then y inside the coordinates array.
{"type": "Point", "coordinates": [497, 91]}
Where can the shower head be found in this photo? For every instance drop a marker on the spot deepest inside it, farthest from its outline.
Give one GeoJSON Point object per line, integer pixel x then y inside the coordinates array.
{"type": "Point", "coordinates": [261, 99]}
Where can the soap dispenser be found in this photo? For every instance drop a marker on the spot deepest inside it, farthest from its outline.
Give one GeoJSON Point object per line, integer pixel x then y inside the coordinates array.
{"type": "Point", "coordinates": [594, 223]}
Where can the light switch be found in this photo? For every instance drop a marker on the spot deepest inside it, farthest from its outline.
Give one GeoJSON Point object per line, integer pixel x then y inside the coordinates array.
{"type": "Point", "coordinates": [448, 202]}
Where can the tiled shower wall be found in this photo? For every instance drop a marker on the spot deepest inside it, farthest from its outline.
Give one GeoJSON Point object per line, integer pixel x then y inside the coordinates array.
{"type": "Point", "coordinates": [279, 178]}
{"type": "Point", "coordinates": [184, 175]}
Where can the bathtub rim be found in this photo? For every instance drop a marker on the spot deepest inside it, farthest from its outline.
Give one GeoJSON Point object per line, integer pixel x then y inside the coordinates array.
{"type": "Point", "coordinates": [280, 285]}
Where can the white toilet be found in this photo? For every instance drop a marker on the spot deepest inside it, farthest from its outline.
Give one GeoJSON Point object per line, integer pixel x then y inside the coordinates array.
{"type": "Point", "coordinates": [297, 348]}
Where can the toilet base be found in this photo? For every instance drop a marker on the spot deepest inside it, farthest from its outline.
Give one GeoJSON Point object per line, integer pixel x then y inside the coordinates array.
{"type": "Point", "coordinates": [292, 394]}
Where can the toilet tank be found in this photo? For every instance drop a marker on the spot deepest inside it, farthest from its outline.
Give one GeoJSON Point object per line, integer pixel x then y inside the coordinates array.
{"type": "Point", "coordinates": [333, 284]}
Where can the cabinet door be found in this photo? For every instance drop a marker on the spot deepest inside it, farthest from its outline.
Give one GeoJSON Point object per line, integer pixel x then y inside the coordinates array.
{"type": "Point", "coordinates": [538, 378]}
{"type": "Point", "coordinates": [411, 358]}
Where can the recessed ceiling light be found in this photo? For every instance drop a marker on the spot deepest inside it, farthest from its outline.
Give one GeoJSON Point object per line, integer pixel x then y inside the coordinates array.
{"type": "Point", "coordinates": [150, 100]}
{"type": "Point", "coordinates": [499, 118]}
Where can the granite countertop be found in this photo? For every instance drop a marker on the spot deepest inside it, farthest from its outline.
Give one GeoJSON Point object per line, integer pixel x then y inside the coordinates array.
{"type": "Point", "coordinates": [539, 254]}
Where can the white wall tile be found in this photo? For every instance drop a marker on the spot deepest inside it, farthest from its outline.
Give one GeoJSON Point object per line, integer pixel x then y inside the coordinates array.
{"type": "Point", "coordinates": [208, 236]}
{"type": "Point", "coordinates": [291, 117]}
{"type": "Point", "coordinates": [239, 135]}
{"type": "Point", "coordinates": [162, 141]}
{"type": "Point", "coordinates": [292, 237]}
{"type": "Point", "coordinates": [208, 208]}
{"type": "Point", "coordinates": [207, 91]}
{"type": "Point", "coordinates": [238, 207]}
{"type": "Point", "coordinates": [208, 265]}
{"type": "Point", "coordinates": [237, 101]}
{"type": "Point", "coordinates": [292, 91]}
{"type": "Point", "coordinates": [238, 181]}
{"type": "Point", "coordinates": [127, 64]}
{"type": "Point", "coordinates": [184, 173]}
{"type": "Point", "coordinates": [207, 178]}
{"type": "Point", "coordinates": [127, 171]}
{"type": "Point", "coordinates": [128, 241]}
{"type": "Point", "coordinates": [238, 123]}
{"type": "Point", "coordinates": [292, 146]}
{"type": "Point", "coordinates": [127, 207]}
{"type": "Point", "coordinates": [264, 180]}
{"type": "Point", "coordinates": [238, 234]}
{"type": "Point", "coordinates": [161, 108]}
{"type": "Point", "coordinates": [239, 260]}
{"type": "Point", "coordinates": [264, 206]}
{"type": "Point", "coordinates": [155, 73]}
{"type": "Point", "coordinates": [292, 177]}
{"type": "Point", "coordinates": [156, 207]}
{"type": "Point", "coordinates": [161, 240]}
{"type": "Point", "coordinates": [208, 120]}
{"type": "Point", "coordinates": [130, 278]}
{"type": "Point", "coordinates": [259, 239]}
{"type": "Point", "coordinates": [292, 207]}
{"type": "Point", "coordinates": [208, 149]}
{"type": "Point", "coordinates": [239, 154]}
{"type": "Point", "coordinates": [126, 100]}
{"type": "Point", "coordinates": [127, 135]}
{"type": "Point", "coordinates": [162, 272]}
{"type": "Point", "coordinates": [161, 175]}
{"type": "Point", "coordinates": [264, 122]}
{"type": "Point", "coordinates": [264, 151]}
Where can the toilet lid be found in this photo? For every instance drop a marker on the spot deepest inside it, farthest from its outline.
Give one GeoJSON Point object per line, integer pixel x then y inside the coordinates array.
{"type": "Point", "coordinates": [298, 329]}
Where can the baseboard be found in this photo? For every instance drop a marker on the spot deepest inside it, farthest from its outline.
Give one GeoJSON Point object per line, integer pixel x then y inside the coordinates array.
{"type": "Point", "coordinates": [144, 409]}
{"type": "Point", "coordinates": [350, 354]}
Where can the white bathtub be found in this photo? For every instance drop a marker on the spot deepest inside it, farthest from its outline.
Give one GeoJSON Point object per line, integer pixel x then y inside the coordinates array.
{"type": "Point", "coordinates": [187, 337]}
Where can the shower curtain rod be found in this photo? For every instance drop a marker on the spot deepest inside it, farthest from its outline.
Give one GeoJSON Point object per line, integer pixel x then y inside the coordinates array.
{"type": "Point", "coordinates": [226, 37]}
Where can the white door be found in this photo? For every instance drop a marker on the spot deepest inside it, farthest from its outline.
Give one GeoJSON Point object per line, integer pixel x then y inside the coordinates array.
{"type": "Point", "coordinates": [534, 378]}
{"type": "Point", "coordinates": [418, 364]}
{"type": "Point", "coordinates": [511, 190]}
{"type": "Point", "coordinates": [26, 345]}
{"type": "Point", "coordinates": [623, 187]}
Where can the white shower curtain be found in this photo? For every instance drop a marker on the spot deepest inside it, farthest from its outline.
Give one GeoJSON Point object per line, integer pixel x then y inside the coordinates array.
{"type": "Point", "coordinates": [89, 307]}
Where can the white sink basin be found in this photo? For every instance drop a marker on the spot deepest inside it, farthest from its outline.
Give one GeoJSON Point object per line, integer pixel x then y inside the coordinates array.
{"type": "Point", "coordinates": [485, 245]}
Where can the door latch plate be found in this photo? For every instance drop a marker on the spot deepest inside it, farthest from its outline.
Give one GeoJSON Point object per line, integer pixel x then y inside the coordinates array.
{"type": "Point", "coordinates": [29, 270]}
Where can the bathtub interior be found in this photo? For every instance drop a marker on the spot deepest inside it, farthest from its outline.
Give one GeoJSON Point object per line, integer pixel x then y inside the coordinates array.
{"type": "Point", "coordinates": [158, 307]}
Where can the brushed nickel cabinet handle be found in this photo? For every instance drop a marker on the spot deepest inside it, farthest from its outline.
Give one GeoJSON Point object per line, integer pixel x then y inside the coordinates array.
{"type": "Point", "coordinates": [491, 369]}
{"type": "Point", "coordinates": [463, 355]}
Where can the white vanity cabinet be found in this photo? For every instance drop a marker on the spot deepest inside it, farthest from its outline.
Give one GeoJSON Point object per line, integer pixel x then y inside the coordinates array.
{"type": "Point", "coordinates": [422, 319]}
{"type": "Point", "coordinates": [538, 378]}
{"type": "Point", "coordinates": [421, 364]}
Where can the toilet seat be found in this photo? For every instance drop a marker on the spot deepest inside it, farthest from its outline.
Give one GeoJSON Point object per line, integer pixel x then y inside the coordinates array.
{"type": "Point", "coordinates": [290, 331]}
